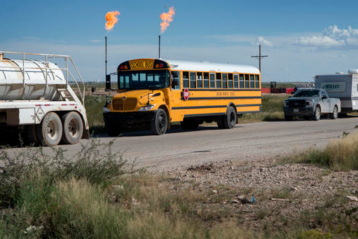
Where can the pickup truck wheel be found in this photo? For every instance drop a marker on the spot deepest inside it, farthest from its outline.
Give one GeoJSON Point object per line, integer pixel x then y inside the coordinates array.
{"type": "Point", "coordinates": [49, 131]}
{"type": "Point", "coordinates": [288, 118]}
{"type": "Point", "coordinates": [334, 115]}
{"type": "Point", "coordinates": [317, 114]}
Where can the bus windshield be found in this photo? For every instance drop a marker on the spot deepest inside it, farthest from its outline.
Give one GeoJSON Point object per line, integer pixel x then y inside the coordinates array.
{"type": "Point", "coordinates": [132, 80]}
{"type": "Point", "coordinates": [307, 93]}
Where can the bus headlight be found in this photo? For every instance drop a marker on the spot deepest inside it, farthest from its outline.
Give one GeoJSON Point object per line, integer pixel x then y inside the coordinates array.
{"type": "Point", "coordinates": [146, 108]}
{"type": "Point", "coordinates": [106, 110]}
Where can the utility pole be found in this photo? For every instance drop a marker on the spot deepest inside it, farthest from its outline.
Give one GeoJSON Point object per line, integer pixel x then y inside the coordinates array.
{"type": "Point", "coordinates": [260, 57]}
{"type": "Point", "coordinates": [159, 47]}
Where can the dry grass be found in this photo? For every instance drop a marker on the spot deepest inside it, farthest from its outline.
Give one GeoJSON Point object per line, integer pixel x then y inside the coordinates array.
{"type": "Point", "coordinates": [339, 154]}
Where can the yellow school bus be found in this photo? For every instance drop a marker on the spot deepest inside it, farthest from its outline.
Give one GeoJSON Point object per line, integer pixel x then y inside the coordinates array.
{"type": "Point", "coordinates": [156, 92]}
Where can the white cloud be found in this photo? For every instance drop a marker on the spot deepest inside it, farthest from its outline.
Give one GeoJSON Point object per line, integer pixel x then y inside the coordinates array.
{"type": "Point", "coordinates": [262, 41]}
{"type": "Point", "coordinates": [332, 37]}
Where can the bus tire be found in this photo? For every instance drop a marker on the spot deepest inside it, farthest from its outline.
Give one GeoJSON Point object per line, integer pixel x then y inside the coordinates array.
{"type": "Point", "coordinates": [159, 123]}
{"type": "Point", "coordinates": [317, 114]}
{"type": "Point", "coordinates": [230, 118]}
{"type": "Point", "coordinates": [49, 131]}
{"type": "Point", "coordinates": [189, 124]}
{"type": "Point", "coordinates": [334, 115]}
{"type": "Point", "coordinates": [72, 128]}
{"type": "Point", "coordinates": [220, 122]}
{"type": "Point", "coordinates": [112, 129]}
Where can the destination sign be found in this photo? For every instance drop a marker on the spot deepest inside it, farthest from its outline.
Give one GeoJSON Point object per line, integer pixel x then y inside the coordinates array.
{"type": "Point", "coordinates": [141, 64]}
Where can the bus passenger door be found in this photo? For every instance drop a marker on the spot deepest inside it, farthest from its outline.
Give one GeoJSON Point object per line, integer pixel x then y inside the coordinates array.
{"type": "Point", "coordinates": [176, 96]}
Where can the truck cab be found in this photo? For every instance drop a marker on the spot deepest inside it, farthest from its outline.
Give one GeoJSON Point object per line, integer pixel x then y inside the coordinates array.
{"type": "Point", "coordinates": [311, 104]}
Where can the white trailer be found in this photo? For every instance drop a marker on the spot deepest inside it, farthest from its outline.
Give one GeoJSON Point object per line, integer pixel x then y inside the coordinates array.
{"type": "Point", "coordinates": [342, 86]}
{"type": "Point", "coordinates": [36, 97]}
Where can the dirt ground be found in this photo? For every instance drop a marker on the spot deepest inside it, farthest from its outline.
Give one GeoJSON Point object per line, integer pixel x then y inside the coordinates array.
{"type": "Point", "coordinates": [267, 192]}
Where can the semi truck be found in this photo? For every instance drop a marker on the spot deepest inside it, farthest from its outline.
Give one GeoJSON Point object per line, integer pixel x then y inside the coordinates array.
{"type": "Point", "coordinates": [36, 98]}
{"type": "Point", "coordinates": [342, 86]}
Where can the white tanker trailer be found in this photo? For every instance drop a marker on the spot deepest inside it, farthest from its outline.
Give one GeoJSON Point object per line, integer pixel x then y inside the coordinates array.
{"type": "Point", "coordinates": [35, 96]}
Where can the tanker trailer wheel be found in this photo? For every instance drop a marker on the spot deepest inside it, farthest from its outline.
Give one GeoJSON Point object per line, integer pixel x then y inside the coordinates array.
{"type": "Point", "coordinates": [72, 128]}
{"type": "Point", "coordinates": [49, 131]}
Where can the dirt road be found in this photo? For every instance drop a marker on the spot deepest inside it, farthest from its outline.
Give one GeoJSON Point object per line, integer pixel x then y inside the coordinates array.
{"type": "Point", "coordinates": [209, 144]}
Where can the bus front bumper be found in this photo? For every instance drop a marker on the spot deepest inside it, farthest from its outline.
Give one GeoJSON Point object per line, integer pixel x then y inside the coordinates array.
{"type": "Point", "coordinates": [128, 117]}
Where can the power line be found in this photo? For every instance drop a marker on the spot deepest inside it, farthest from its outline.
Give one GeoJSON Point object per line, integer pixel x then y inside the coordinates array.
{"type": "Point", "coordinates": [260, 57]}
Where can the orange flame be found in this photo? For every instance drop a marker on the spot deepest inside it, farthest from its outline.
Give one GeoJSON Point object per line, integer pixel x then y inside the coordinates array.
{"type": "Point", "coordinates": [111, 19]}
{"type": "Point", "coordinates": [166, 17]}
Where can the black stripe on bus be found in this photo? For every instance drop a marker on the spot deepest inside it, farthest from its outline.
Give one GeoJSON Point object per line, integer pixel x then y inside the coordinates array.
{"type": "Point", "coordinates": [204, 115]}
{"type": "Point", "coordinates": [208, 107]}
{"type": "Point", "coordinates": [247, 105]}
{"type": "Point", "coordinates": [246, 112]}
{"type": "Point", "coordinates": [225, 98]}
{"type": "Point", "coordinates": [207, 89]}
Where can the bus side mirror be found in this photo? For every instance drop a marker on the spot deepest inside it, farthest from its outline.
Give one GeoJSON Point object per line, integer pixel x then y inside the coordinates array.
{"type": "Point", "coordinates": [108, 82]}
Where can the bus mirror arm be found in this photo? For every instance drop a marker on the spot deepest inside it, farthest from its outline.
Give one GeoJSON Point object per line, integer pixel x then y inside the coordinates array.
{"type": "Point", "coordinates": [108, 82]}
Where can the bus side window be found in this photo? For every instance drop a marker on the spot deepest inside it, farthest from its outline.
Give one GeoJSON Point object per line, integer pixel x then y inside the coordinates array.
{"type": "Point", "coordinates": [218, 80]}
{"type": "Point", "coordinates": [257, 81]}
{"type": "Point", "coordinates": [230, 81]}
{"type": "Point", "coordinates": [247, 77]}
{"type": "Point", "coordinates": [199, 80]}
{"type": "Point", "coordinates": [236, 81]}
{"type": "Point", "coordinates": [212, 80]}
{"type": "Point", "coordinates": [242, 85]}
{"type": "Point", "coordinates": [192, 80]}
{"type": "Point", "coordinates": [224, 80]}
{"type": "Point", "coordinates": [176, 76]}
{"type": "Point", "coordinates": [206, 80]}
{"type": "Point", "coordinates": [252, 82]}
{"type": "Point", "coordinates": [185, 79]}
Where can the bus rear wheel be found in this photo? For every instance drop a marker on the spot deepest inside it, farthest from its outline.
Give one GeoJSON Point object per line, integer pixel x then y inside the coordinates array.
{"type": "Point", "coordinates": [72, 128]}
{"type": "Point", "coordinates": [159, 124]}
{"type": "Point", "coordinates": [230, 119]}
{"type": "Point", "coordinates": [189, 124]}
{"type": "Point", "coordinates": [49, 131]}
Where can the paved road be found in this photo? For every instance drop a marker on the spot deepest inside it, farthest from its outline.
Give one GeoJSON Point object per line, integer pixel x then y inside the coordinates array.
{"type": "Point", "coordinates": [245, 141]}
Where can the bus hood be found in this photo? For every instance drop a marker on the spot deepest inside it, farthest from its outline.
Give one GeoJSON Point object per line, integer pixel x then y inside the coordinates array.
{"type": "Point", "coordinates": [142, 96]}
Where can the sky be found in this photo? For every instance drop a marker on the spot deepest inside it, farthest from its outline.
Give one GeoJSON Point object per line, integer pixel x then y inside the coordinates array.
{"type": "Point", "coordinates": [302, 38]}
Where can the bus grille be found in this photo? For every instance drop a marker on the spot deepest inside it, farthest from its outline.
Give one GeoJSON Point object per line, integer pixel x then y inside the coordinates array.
{"type": "Point", "coordinates": [127, 104]}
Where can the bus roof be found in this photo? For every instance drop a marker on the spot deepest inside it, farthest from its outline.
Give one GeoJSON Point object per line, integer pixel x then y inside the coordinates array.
{"type": "Point", "coordinates": [207, 66]}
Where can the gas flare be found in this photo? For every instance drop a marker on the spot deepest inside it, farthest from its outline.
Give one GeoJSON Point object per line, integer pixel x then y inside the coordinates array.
{"type": "Point", "coordinates": [166, 17]}
{"type": "Point", "coordinates": [111, 19]}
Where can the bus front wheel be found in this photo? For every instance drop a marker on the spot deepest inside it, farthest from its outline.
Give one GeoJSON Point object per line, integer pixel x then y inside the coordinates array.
{"type": "Point", "coordinates": [159, 124]}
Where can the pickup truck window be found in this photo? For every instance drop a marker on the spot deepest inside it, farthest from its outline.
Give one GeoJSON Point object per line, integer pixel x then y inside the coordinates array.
{"type": "Point", "coordinates": [324, 93]}
{"type": "Point", "coordinates": [307, 93]}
